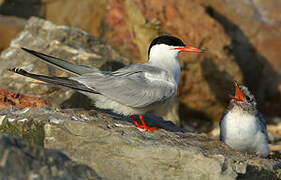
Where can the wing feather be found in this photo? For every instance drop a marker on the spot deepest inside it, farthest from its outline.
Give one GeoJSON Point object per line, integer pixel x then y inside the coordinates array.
{"type": "Point", "coordinates": [62, 64]}
{"type": "Point", "coordinates": [131, 85]}
{"type": "Point", "coordinates": [61, 81]}
{"type": "Point", "coordinates": [262, 123]}
{"type": "Point", "coordinates": [222, 126]}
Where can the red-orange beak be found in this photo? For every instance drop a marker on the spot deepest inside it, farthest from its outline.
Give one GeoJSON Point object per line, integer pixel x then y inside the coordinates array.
{"type": "Point", "coordinates": [238, 94]}
{"type": "Point", "coordinates": [189, 49]}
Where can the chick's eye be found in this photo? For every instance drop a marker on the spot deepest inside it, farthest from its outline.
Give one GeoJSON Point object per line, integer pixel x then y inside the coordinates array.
{"type": "Point", "coordinates": [248, 98]}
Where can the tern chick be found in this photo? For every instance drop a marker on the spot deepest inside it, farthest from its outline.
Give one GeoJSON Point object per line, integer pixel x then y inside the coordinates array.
{"type": "Point", "coordinates": [242, 126]}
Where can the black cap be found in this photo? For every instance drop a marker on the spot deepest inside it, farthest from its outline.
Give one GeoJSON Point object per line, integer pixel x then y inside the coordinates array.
{"type": "Point", "coordinates": [168, 40]}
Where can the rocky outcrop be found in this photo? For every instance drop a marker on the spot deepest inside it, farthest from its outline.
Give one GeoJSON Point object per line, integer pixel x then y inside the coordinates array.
{"type": "Point", "coordinates": [116, 149]}
{"type": "Point", "coordinates": [20, 160]}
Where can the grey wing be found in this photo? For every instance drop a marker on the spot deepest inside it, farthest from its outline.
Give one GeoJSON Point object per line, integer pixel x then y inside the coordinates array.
{"type": "Point", "coordinates": [131, 86]}
{"type": "Point", "coordinates": [262, 123]}
{"type": "Point", "coordinates": [222, 128]}
{"type": "Point", "coordinates": [62, 64]}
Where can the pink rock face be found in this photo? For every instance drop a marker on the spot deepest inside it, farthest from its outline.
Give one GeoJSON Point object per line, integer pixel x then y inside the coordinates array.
{"type": "Point", "coordinates": [8, 98]}
{"type": "Point", "coordinates": [117, 33]}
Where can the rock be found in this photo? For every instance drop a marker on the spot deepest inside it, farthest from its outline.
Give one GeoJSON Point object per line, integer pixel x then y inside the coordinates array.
{"type": "Point", "coordinates": [86, 15]}
{"type": "Point", "coordinates": [9, 28]}
{"type": "Point", "coordinates": [22, 161]}
{"type": "Point", "coordinates": [116, 149]}
{"type": "Point", "coordinates": [275, 135]}
{"type": "Point", "coordinates": [63, 42]}
{"type": "Point", "coordinates": [8, 98]}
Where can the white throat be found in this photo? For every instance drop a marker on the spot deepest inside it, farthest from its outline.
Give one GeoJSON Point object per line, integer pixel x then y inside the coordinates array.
{"type": "Point", "coordinates": [165, 57]}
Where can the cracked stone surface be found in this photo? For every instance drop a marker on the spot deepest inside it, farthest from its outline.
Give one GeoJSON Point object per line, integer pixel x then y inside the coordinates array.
{"type": "Point", "coordinates": [19, 160]}
{"type": "Point", "coordinates": [116, 149]}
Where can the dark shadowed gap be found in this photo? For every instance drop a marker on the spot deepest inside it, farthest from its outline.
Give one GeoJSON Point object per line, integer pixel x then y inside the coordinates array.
{"type": "Point", "coordinates": [194, 120]}
{"type": "Point", "coordinates": [21, 8]}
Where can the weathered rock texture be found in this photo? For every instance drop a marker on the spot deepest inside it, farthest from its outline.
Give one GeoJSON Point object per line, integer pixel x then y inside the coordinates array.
{"type": "Point", "coordinates": [9, 98]}
{"type": "Point", "coordinates": [116, 149]}
{"type": "Point", "coordinates": [20, 160]}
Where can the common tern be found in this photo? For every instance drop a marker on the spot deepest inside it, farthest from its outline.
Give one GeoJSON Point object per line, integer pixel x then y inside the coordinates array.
{"type": "Point", "coordinates": [242, 126]}
{"type": "Point", "coordinates": [134, 89]}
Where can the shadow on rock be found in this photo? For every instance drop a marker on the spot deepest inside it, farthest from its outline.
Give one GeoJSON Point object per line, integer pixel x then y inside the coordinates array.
{"type": "Point", "coordinates": [150, 120]}
{"type": "Point", "coordinates": [197, 120]}
{"type": "Point", "coordinates": [220, 82]}
{"type": "Point", "coordinates": [79, 101]}
{"type": "Point", "coordinates": [258, 74]}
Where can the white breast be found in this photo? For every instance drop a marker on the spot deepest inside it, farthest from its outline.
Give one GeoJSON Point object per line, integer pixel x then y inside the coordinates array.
{"type": "Point", "coordinates": [241, 130]}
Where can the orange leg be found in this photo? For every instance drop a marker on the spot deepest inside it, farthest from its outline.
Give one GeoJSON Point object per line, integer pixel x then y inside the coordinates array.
{"type": "Point", "coordinates": [143, 126]}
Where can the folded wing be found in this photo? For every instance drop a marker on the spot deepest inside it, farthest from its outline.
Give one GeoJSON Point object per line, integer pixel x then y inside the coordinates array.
{"type": "Point", "coordinates": [133, 86]}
